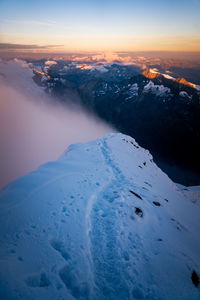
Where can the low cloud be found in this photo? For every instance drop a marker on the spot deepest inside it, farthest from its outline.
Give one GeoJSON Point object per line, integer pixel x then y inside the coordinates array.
{"type": "Point", "coordinates": [32, 131]}
{"type": "Point", "coordinates": [10, 46]}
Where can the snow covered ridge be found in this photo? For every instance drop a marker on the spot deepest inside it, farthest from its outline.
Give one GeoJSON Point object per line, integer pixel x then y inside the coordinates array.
{"type": "Point", "coordinates": [101, 222]}
{"type": "Point", "coordinates": [192, 193]}
{"type": "Point", "coordinates": [153, 73]}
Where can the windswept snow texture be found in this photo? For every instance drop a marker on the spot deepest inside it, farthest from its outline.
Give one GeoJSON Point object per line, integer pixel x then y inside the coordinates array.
{"type": "Point", "coordinates": [102, 222]}
{"type": "Point", "coordinates": [191, 192]}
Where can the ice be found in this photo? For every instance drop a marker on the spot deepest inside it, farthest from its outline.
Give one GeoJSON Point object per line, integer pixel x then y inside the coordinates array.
{"type": "Point", "coordinates": [50, 62]}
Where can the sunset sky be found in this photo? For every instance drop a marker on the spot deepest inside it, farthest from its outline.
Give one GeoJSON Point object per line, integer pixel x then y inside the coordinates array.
{"type": "Point", "coordinates": [106, 25]}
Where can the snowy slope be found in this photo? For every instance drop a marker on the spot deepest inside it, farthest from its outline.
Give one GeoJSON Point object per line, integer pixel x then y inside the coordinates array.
{"type": "Point", "coordinates": [102, 222]}
{"type": "Point", "coordinates": [191, 192]}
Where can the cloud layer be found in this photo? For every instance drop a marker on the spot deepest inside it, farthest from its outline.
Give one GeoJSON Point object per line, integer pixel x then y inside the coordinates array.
{"type": "Point", "coordinates": [32, 131]}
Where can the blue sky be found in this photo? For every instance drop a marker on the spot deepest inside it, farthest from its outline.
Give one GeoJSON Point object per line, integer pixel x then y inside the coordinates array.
{"type": "Point", "coordinates": [120, 25]}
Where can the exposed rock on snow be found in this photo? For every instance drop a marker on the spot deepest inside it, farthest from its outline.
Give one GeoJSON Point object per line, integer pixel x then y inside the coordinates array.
{"type": "Point", "coordinates": [102, 222]}
{"type": "Point", "coordinates": [159, 90]}
{"type": "Point", "coordinates": [184, 94]}
{"type": "Point", "coordinates": [150, 73]}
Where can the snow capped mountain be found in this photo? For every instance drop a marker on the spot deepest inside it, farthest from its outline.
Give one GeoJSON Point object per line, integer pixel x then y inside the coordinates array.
{"type": "Point", "coordinates": [101, 222]}
{"type": "Point", "coordinates": [152, 74]}
{"type": "Point", "coordinates": [161, 112]}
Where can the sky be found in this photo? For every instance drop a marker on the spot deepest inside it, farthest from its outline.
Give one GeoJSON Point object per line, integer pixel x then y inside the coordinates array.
{"type": "Point", "coordinates": [106, 25]}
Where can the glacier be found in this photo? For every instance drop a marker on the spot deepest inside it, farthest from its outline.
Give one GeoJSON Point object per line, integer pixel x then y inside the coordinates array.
{"type": "Point", "coordinates": [101, 222]}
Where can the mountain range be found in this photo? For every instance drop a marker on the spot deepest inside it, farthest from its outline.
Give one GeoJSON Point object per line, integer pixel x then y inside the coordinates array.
{"type": "Point", "coordinates": [161, 112]}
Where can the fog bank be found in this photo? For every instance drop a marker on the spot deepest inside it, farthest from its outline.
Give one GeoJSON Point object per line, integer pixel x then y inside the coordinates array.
{"type": "Point", "coordinates": [33, 132]}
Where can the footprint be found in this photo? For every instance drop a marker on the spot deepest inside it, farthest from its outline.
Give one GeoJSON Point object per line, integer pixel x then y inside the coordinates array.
{"type": "Point", "coordinates": [195, 279]}
{"type": "Point", "coordinates": [139, 212]}
{"type": "Point", "coordinates": [64, 209]}
{"type": "Point", "coordinates": [148, 183]}
{"type": "Point", "coordinates": [137, 293]}
{"type": "Point", "coordinates": [79, 290]}
{"type": "Point", "coordinates": [135, 194]}
{"type": "Point", "coordinates": [58, 246]}
{"type": "Point", "coordinates": [20, 258]}
{"type": "Point", "coordinates": [156, 203]}
{"type": "Point", "coordinates": [40, 280]}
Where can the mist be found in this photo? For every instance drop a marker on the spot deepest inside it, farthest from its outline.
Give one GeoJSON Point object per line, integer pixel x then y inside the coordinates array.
{"type": "Point", "coordinates": [33, 130]}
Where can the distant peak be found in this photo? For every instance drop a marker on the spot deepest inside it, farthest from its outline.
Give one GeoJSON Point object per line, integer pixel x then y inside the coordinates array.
{"type": "Point", "coordinates": [151, 73]}
{"type": "Point", "coordinates": [185, 82]}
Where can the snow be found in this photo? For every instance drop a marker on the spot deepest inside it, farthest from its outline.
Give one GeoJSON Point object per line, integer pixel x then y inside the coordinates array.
{"type": "Point", "coordinates": [168, 76]}
{"type": "Point", "coordinates": [44, 78]}
{"type": "Point", "coordinates": [66, 68]}
{"type": "Point", "coordinates": [50, 62]}
{"type": "Point", "coordinates": [102, 222]}
{"type": "Point", "coordinates": [133, 91]}
{"type": "Point", "coordinates": [46, 68]}
{"type": "Point", "coordinates": [83, 66]}
{"type": "Point", "coordinates": [99, 68]}
{"type": "Point", "coordinates": [63, 81]}
{"type": "Point", "coordinates": [197, 87]}
{"type": "Point", "coordinates": [191, 192]}
{"type": "Point", "coordinates": [185, 95]}
{"type": "Point", "coordinates": [159, 90]}
{"type": "Point", "coordinates": [154, 70]}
